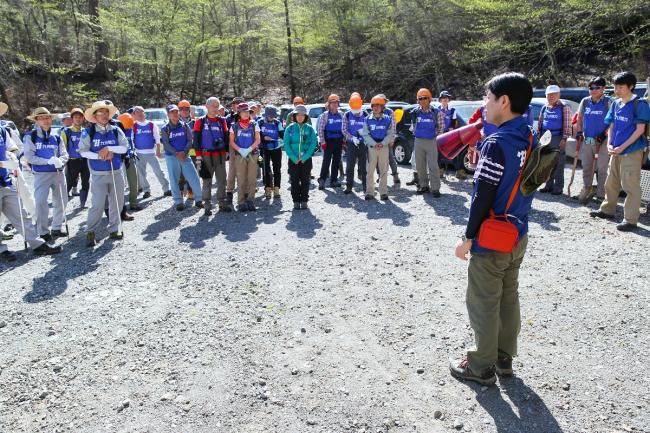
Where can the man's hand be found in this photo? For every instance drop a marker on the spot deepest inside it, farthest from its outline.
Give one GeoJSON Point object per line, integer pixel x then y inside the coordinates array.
{"type": "Point", "coordinates": [158, 155]}
{"type": "Point", "coordinates": [180, 156]}
{"type": "Point", "coordinates": [562, 144]}
{"type": "Point", "coordinates": [614, 150]}
{"type": "Point", "coordinates": [267, 138]}
{"type": "Point", "coordinates": [463, 248]}
{"type": "Point", "coordinates": [103, 152]}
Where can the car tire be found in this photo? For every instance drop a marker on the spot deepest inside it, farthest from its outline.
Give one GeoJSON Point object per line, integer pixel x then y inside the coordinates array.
{"type": "Point", "coordinates": [465, 159]}
{"type": "Point", "coordinates": [402, 153]}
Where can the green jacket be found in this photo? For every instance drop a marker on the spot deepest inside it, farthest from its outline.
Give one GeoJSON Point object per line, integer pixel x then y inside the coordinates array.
{"type": "Point", "coordinates": [300, 141]}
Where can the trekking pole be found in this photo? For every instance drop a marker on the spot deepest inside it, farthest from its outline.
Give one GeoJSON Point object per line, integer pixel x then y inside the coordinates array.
{"type": "Point", "coordinates": [575, 165]}
{"type": "Point", "coordinates": [117, 203]}
{"type": "Point", "coordinates": [20, 211]}
{"type": "Point", "coordinates": [63, 203]}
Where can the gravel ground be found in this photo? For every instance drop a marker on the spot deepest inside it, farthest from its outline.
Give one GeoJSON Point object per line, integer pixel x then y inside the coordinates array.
{"type": "Point", "coordinates": [337, 319]}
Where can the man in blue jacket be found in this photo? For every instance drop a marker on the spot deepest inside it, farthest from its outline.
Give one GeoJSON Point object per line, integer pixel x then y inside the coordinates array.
{"type": "Point", "coordinates": [493, 277]}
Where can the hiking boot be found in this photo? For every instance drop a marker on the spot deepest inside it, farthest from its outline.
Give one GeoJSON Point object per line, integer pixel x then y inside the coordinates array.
{"type": "Point", "coordinates": [422, 190]}
{"type": "Point", "coordinates": [146, 195]}
{"type": "Point", "coordinates": [601, 214]}
{"type": "Point", "coordinates": [90, 239]}
{"type": "Point", "coordinates": [348, 189]}
{"type": "Point", "coordinates": [180, 207]}
{"type": "Point", "coordinates": [229, 196]}
{"type": "Point", "coordinates": [304, 205]}
{"type": "Point", "coordinates": [321, 184]}
{"type": "Point", "coordinates": [46, 250]}
{"type": "Point", "coordinates": [225, 207]}
{"type": "Point", "coordinates": [251, 206]}
{"type": "Point", "coordinates": [503, 366]}
{"type": "Point", "coordinates": [47, 238]}
{"type": "Point", "coordinates": [396, 180]}
{"type": "Point", "coordinates": [369, 197]}
{"type": "Point", "coordinates": [7, 228]}
{"type": "Point", "coordinates": [242, 207]}
{"type": "Point", "coordinates": [383, 197]}
{"type": "Point", "coordinates": [413, 181]}
{"type": "Point", "coordinates": [556, 193]}
{"type": "Point", "coordinates": [268, 192]}
{"type": "Point", "coordinates": [116, 236]}
{"type": "Point", "coordinates": [435, 194]}
{"type": "Point", "coordinates": [335, 184]}
{"type": "Point", "coordinates": [626, 227]}
{"type": "Point", "coordinates": [460, 370]}
{"type": "Point", "coordinates": [126, 216]}
{"type": "Point", "coordinates": [167, 193]}
{"type": "Point", "coordinates": [207, 212]}
{"type": "Point", "coordinates": [546, 189]}
{"type": "Point", "coordinates": [276, 192]}
{"type": "Point", "coordinates": [135, 208]}
{"type": "Point", "coordinates": [58, 234]}
{"type": "Point", "coordinates": [198, 204]}
{"type": "Point", "coordinates": [8, 256]}
{"type": "Point", "coordinates": [297, 205]}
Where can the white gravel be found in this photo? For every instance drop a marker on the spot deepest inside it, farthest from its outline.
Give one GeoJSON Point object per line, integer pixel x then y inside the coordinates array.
{"type": "Point", "coordinates": [337, 319]}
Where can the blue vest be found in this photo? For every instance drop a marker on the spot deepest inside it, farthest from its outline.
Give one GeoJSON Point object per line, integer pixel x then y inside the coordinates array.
{"type": "Point", "coordinates": [212, 135]}
{"type": "Point", "coordinates": [244, 138]}
{"type": "Point", "coordinates": [177, 137]}
{"type": "Point", "coordinates": [425, 123]}
{"type": "Point", "coordinates": [593, 120]}
{"type": "Point", "coordinates": [143, 136]}
{"type": "Point", "coordinates": [625, 122]}
{"type": "Point", "coordinates": [378, 128]}
{"type": "Point", "coordinates": [334, 127]}
{"type": "Point", "coordinates": [73, 142]}
{"type": "Point", "coordinates": [46, 148]}
{"type": "Point", "coordinates": [5, 180]}
{"type": "Point", "coordinates": [552, 119]}
{"type": "Point", "coordinates": [269, 129]}
{"type": "Point", "coordinates": [449, 117]}
{"type": "Point", "coordinates": [98, 141]}
{"type": "Point", "coordinates": [355, 124]}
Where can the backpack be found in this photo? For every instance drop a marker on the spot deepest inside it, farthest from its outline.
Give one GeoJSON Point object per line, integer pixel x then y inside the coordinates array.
{"type": "Point", "coordinates": [646, 133]}
{"type": "Point", "coordinates": [539, 166]}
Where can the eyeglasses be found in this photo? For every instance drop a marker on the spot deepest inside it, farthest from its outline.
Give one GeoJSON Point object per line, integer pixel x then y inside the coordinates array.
{"type": "Point", "coordinates": [185, 109]}
{"type": "Point", "coordinates": [423, 98]}
{"type": "Point", "coordinates": [595, 87]}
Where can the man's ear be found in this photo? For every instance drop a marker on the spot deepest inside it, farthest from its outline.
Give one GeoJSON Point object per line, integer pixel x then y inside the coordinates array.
{"type": "Point", "coordinates": [505, 102]}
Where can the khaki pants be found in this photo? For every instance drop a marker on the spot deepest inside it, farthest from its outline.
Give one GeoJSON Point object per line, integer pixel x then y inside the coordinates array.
{"type": "Point", "coordinates": [246, 177]}
{"type": "Point", "coordinates": [587, 154]}
{"type": "Point", "coordinates": [493, 305]}
{"type": "Point", "coordinates": [426, 156]}
{"type": "Point", "coordinates": [377, 157]}
{"type": "Point", "coordinates": [625, 173]}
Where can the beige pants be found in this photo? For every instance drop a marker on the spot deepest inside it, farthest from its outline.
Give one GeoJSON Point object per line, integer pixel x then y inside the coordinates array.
{"type": "Point", "coordinates": [377, 157]}
{"type": "Point", "coordinates": [587, 154]}
{"type": "Point", "coordinates": [246, 177]}
{"type": "Point", "coordinates": [426, 163]}
{"type": "Point", "coordinates": [624, 173]}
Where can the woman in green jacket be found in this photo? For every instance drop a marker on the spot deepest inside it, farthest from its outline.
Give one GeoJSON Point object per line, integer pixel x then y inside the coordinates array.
{"type": "Point", "coordinates": [300, 145]}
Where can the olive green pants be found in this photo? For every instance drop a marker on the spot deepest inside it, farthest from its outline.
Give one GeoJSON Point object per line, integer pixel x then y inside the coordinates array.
{"type": "Point", "coordinates": [493, 305]}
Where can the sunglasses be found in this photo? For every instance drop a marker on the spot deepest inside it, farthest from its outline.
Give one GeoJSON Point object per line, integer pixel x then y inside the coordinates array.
{"type": "Point", "coordinates": [423, 98]}
{"type": "Point", "coordinates": [595, 87]}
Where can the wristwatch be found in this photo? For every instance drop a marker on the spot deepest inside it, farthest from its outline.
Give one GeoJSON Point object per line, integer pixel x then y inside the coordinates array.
{"type": "Point", "coordinates": [464, 238]}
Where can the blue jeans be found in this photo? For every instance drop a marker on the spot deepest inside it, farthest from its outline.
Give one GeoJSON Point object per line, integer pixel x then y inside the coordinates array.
{"type": "Point", "coordinates": [175, 167]}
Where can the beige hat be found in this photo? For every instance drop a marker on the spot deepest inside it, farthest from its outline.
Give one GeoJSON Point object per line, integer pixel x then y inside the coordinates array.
{"type": "Point", "coordinates": [40, 111]}
{"type": "Point", "coordinates": [106, 104]}
{"type": "Point", "coordinates": [3, 108]}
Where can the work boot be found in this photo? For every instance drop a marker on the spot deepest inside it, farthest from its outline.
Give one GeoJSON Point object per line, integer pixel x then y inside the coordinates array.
{"type": "Point", "coordinates": [116, 236]}
{"type": "Point", "coordinates": [90, 239]}
{"type": "Point", "coordinates": [268, 192]}
{"type": "Point", "coordinates": [276, 192]}
{"type": "Point", "coordinates": [413, 181]}
{"type": "Point", "coordinates": [46, 250]}
{"type": "Point", "coordinates": [460, 370]}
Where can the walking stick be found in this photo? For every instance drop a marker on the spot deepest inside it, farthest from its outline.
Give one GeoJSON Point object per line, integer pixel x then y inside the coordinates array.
{"type": "Point", "coordinates": [63, 203]}
{"type": "Point", "coordinates": [575, 164]}
{"type": "Point", "coordinates": [117, 203]}
{"type": "Point", "coordinates": [20, 211]}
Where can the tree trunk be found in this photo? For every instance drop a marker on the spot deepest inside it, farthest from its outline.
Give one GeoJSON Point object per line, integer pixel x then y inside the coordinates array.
{"type": "Point", "coordinates": [101, 47]}
{"type": "Point", "coordinates": [292, 84]}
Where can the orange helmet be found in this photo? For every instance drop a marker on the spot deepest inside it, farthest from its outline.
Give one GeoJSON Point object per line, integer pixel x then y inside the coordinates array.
{"type": "Point", "coordinates": [298, 101]}
{"type": "Point", "coordinates": [424, 92]}
{"type": "Point", "coordinates": [355, 101]}
{"type": "Point", "coordinates": [333, 98]}
{"type": "Point", "coordinates": [378, 100]}
{"type": "Point", "coordinates": [184, 104]}
{"type": "Point", "coordinates": [126, 119]}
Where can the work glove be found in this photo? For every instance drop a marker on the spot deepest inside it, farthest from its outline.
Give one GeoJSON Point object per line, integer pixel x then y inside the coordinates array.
{"type": "Point", "coordinates": [244, 152]}
{"type": "Point", "coordinates": [356, 141]}
{"type": "Point", "coordinates": [10, 164]}
{"type": "Point", "coordinates": [56, 162]}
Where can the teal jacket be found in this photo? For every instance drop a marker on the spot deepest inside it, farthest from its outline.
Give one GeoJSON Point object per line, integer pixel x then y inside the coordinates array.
{"type": "Point", "coordinates": [300, 141]}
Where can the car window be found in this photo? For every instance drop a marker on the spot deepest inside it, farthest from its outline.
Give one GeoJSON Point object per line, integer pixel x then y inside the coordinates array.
{"type": "Point", "coordinates": [156, 115]}
{"type": "Point", "coordinates": [315, 112]}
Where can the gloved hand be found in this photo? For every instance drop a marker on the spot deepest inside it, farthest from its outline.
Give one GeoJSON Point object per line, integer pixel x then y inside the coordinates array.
{"type": "Point", "coordinates": [244, 152]}
{"type": "Point", "coordinates": [356, 141]}
{"type": "Point", "coordinates": [56, 162]}
{"type": "Point", "coordinates": [10, 164]}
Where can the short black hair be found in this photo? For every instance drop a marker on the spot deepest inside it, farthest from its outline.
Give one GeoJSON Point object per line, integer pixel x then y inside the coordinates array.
{"type": "Point", "coordinates": [627, 78]}
{"type": "Point", "coordinates": [516, 86]}
{"type": "Point", "coordinates": [598, 81]}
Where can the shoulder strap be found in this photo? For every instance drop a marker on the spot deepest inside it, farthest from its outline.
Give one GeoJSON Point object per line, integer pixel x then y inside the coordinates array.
{"type": "Point", "coordinates": [92, 131]}
{"type": "Point", "coordinates": [33, 134]}
{"type": "Point", "coordinates": [513, 193]}
{"type": "Point", "coordinates": [151, 127]}
{"type": "Point", "coordinates": [117, 136]}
